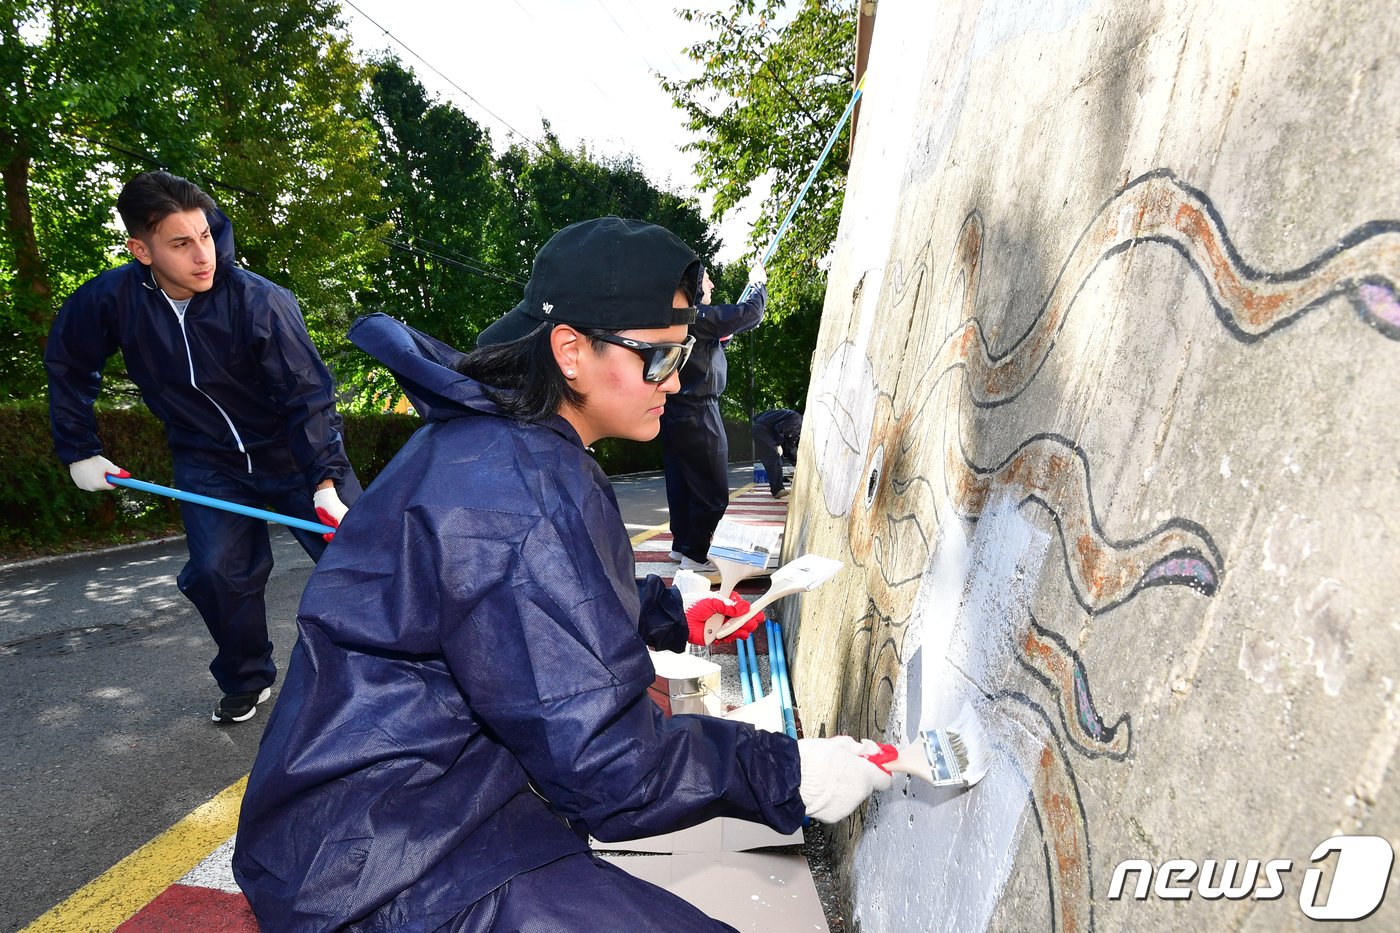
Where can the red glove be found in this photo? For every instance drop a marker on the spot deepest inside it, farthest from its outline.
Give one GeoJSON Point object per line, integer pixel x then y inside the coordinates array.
{"type": "Point", "coordinates": [700, 611]}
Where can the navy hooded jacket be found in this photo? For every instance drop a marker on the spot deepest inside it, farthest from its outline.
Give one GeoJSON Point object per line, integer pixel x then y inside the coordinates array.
{"type": "Point", "coordinates": [237, 381]}
{"type": "Point", "coordinates": [471, 671]}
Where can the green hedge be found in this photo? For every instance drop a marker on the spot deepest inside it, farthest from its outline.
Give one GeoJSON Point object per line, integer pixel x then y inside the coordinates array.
{"type": "Point", "coordinates": [41, 511]}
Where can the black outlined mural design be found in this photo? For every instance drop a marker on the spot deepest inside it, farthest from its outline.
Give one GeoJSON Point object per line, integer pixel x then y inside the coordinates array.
{"type": "Point", "coordinates": [895, 466]}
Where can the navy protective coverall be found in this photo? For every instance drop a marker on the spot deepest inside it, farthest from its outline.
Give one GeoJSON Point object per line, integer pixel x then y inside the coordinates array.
{"type": "Point", "coordinates": [471, 672]}
{"type": "Point", "coordinates": [694, 447]}
{"type": "Point", "coordinates": [249, 414]}
{"type": "Point", "coordinates": [777, 427]}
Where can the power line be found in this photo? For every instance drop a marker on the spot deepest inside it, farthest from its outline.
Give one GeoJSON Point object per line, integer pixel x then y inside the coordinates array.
{"type": "Point", "coordinates": [419, 251]}
{"type": "Point", "coordinates": [612, 196]}
{"type": "Point", "coordinates": [647, 24]}
{"type": "Point", "coordinates": [632, 41]}
{"type": "Point", "coordinates": [467, 258]}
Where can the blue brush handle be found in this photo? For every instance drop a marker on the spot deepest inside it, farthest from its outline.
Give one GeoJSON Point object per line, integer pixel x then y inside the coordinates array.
{"type": "Point", "coordinates": [754, 676]}
{"type": "Point", "coordinates": [821, 159]}
{"type": "Point", "coordinates": [743, 672]}
{"type": "Point", "coordinates": [777, 658]}
{"type": "Point", "coordinates": [197, 499]}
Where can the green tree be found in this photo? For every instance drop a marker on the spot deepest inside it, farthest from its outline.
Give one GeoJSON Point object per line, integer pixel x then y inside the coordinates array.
{"type": "Point", "coordinates": [69, 73]}
{"type": "Point", "coordinates": [552, 188]}
{"type": "Point", "coordinates": [455, 262]}
{"type": "Point", "coordinates": [773, 86]}
{"type": "Point", "coordinates": [260, 103]}
{"type": "Point", "coordinates": [270, 118]}
{"type": "Point", "coordinates": [765, 103]}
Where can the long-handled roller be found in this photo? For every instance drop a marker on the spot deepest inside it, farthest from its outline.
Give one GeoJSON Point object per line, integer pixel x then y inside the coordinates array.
{"type": "Point", "coordinates": [210, 501]}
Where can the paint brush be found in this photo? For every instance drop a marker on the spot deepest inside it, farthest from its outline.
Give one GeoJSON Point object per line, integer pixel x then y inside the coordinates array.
{"type": "Point", "coordinates": [956, 756]}
{"type": "Point", "coordinates": [741, 551]}
{"type": "Point", "coordinates": [797, 576]}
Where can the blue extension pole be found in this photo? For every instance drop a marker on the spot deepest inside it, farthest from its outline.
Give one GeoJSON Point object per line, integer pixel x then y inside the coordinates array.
{"type": "Point", "coordinates": [753, 668]}
{"type": "Point", "coordinates": [821, 159]}
{"type": "Point", "coordinates": [744, 686]}
{"type": "Point", "coordinates": [776, 648]}
{"type": "Point", "coordinates": [197, 499]}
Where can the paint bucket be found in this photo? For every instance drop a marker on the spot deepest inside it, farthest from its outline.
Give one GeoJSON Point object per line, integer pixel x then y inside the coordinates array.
{"type": "Point", "coordinates": [685, 683]}
{"type": "Point", "coordinates": [760, 474]}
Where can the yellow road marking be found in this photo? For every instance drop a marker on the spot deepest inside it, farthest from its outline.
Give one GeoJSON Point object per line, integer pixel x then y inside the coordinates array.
{"type": "Point", "coordinates": [107, 901]}
{"type": "Point", "coordinates": [641, 536]}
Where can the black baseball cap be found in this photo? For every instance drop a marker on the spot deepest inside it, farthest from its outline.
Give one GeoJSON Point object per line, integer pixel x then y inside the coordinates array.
{"type": "Point", "coordinates": [607, 273]}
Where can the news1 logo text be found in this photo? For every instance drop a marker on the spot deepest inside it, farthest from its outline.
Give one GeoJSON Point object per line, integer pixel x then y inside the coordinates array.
{"type": "Point", "coordinates": [1359, 878]}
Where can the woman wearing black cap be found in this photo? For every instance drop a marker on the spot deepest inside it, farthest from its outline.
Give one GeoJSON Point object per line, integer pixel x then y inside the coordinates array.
{"type": "Point", "coordinates": [467, 701]}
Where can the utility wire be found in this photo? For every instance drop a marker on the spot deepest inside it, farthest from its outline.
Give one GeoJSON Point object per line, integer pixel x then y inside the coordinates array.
{"type": "Point", "coordinates": [633, 42]}
{"type": "Point", "coordinates": [419, 251]}
{"type": "Point", "coordinates": [612, 196]}
{"type": "Point", "coordinates": [454, 252]}
{"type": "Point", "coordinates": [647, 24]}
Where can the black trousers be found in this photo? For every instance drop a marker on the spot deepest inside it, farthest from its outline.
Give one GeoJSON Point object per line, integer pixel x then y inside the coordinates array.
{"type": "Point", "coordinates": [695, 455]}
{"type": "Point", "coordinates": [766, 441]}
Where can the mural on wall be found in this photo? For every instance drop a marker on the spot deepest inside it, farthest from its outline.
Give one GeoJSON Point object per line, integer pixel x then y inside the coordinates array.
{"type": "Point", "coordinates": [895, 465]}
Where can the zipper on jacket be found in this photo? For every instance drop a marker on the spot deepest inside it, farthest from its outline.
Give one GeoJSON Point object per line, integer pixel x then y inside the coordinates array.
{"type": "Point", "coordinates": [189, 356]}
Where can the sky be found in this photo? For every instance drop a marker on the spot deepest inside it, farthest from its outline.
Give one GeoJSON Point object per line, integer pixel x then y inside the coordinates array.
{"type": "Point", "coordinates": [587, 66]}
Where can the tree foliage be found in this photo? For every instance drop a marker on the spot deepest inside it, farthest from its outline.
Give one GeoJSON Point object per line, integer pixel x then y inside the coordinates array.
{"type": "Point", "coordinates": [767, 99]}
{"type": "Point", "coordinates": [773, 86]}
{"type": "Point", "coordinates": [69, 72]}
{"type": "Point", "coordinates": [257, 102]}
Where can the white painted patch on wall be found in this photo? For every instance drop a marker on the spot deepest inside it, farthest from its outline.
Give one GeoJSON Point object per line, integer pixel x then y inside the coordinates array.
{"type": "Point", "coordinates": [930, 859]}
{"type": "Point", "coordinates": [841, 410]}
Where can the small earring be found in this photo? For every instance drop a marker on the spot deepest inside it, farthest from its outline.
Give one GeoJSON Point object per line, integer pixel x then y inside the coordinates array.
{"type": "Point", "coordinates": [569, 373]}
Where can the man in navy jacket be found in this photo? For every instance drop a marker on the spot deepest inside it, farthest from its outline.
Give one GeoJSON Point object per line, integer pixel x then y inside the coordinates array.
{"type": "Point", "coordinates": [223, 359]}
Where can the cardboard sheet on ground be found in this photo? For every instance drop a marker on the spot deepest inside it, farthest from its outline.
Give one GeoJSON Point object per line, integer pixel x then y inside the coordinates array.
{"type": "Point", "coordinates": [751, 891]}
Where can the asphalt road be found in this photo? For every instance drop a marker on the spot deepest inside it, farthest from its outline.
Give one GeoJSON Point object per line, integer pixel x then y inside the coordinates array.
{"type": "Point", "coordinates": [106, 739]}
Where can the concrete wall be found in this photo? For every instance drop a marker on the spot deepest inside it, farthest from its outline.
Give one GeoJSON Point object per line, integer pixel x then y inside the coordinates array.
{"type": "Point", "coordinates": [1103, 422]}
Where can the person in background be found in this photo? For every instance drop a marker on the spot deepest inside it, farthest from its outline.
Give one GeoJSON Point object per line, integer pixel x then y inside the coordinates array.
{"type": "Point", "coordinates": [223, 359]}
{"type": "Point", "coordinates": [774, 429]}
{"type": "Point", "coordinates": [467, 699]}
{"type": "Point", "coordinates": [694, 447]}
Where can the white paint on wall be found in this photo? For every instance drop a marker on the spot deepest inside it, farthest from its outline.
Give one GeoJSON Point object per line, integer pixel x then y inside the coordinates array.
{"type": "Point", "coordinates": [931, 859]}
{"type": "Point", "coordinates": [841, 411]}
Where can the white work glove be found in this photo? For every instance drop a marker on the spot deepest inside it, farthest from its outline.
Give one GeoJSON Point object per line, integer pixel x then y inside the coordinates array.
{"type": "Point", "coordinates": [692, 587]}
{"type": "Point", "coordinates": [835, 776]}
{"type": "Point", "coordinates": [329, 508]}
{"type": "Point", "coordinates": [758, 275]}
{"type": "Point", "coordinates": [91, 474]}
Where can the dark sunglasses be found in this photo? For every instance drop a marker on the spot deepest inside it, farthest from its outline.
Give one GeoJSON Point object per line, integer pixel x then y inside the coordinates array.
{"type": "Point", "coordinates": [659, 359]}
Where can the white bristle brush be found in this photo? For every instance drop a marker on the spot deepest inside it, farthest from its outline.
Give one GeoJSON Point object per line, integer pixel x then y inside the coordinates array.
{"type": "Point", "coordinates": [741, 551]}
{"type": "Point", "coordinates": [796, 576]}
{"type": "Point", "coordinates": [955, 756]}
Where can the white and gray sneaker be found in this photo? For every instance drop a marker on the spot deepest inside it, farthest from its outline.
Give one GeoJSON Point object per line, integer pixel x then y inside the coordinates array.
{"type": "Point", "coordinates": [697, 566]}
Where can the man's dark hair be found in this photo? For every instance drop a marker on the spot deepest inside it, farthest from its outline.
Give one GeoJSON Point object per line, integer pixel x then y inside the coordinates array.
{"type": "Point", "coordinates": [522, 377]}
{"type": "Point", "coordinates": [151, 197]}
